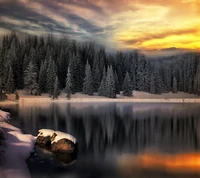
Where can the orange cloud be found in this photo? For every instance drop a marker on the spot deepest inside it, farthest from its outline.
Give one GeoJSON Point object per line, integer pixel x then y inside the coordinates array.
{"type": "Point", "coordinates": [160, 24]}
{"type": "Point", "coordinates": [157, 40]}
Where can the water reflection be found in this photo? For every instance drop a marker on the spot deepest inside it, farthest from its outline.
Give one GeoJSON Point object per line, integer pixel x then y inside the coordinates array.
{"type": "Point", "coordinates": [107, 131]}
{"type": "Point", "coordinates": [102, 128]}
{"type": "Point", "coordinates": [176, 164]}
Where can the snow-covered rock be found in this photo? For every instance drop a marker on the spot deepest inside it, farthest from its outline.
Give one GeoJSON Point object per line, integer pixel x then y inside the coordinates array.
{"type": "Point", "coordinates": [59, 135]}
{"type": "Point", "coordinates": [57, 141]}
{"type": "Point", "coordinates": [64, 146]}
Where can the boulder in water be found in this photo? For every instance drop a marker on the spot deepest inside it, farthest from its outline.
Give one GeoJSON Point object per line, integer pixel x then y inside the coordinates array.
{"type": "Point", "coordinates": [58, 142]}
{"type": "Point", "coordinates": [45, 141]}
{"type": "Point", "coordinates": [64, 146]}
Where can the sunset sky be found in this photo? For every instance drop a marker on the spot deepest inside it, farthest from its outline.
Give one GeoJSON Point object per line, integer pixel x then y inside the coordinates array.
{"type": "Point", "coordinates": [118, 24]}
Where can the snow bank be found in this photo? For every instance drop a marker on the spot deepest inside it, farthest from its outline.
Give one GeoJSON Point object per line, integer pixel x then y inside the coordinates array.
{"type": "Point", "coordinates": [4, 116]}
{"type": "Point", "coordinates": [60, 135]}
{"type": "Point", "coordinates": [17, 148]}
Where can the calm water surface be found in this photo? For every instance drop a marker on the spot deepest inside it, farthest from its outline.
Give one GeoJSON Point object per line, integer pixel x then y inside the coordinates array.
{"type": "Point", "coordinates": [106, 132]}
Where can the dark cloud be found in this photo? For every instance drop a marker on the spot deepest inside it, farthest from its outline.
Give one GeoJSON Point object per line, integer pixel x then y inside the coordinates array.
{"type": "Point", "coordinates": [15, 10]}
{"type": "Point", "coordinates": [83, 4]}
{"type": "Point", "coordinates": [20, 12]}
{"type": "Point", "coordinates": [75, 19]}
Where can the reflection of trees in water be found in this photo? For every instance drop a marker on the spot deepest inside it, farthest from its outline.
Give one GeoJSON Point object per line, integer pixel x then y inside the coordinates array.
{"type": "Point", "coordinates": [119, 127]}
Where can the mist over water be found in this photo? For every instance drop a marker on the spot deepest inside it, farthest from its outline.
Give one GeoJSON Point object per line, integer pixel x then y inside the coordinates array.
{"type": "Point", "coordinates": [106, 131]}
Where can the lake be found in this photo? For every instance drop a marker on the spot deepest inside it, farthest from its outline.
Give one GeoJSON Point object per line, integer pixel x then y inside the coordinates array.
{"type": "Point", "coordinates": [112, 135]}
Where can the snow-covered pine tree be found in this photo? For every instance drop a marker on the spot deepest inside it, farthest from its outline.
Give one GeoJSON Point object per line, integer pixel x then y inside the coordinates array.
{"type": "Point", "coordinates": [197, 80]}
{"type": "Point", "coordinates": [147, 76]}
{"type": "Point", "coordinates": [77, 72]}
{"type": "Point", "coordinates": [174, 88]}
{"type": "Point", "coordinates": [30, 77]}
{"type": "Point", "coordinates": [96, 78]}
{"type": "Point", "coordinates": [56, 90]}
{"type": "Point", "coordinates": [152, 84]}
{"type": "Point", "coordinates": [127, 89]}
{"type": "Point", "coordinates": [133, 76]}
{"type": "Point", "coordinates": [102, 88]}
{"type": "Point", "coordinates": [51, 77]}
{"type": "Point", "coordinates": [68, 84]}
{"type": "Point", "coordinates": [10, 84]}
{"type": "Point", "coordinates": [63, 61]}
{"type": "Point", "coordinates": [158, 80]}
{"type": "Point", "coordinates": [87, 85]}
{"type": "Point", "coordinates": [1, 88]}
{"type": "Point", "coordinates": [43, 76]}
{"type": "Point", "coordinates": [141, 73]}
{"type": "Point", "coordinates": [117, 87]}
{"type": "Point", "coordinates": [110, 83]}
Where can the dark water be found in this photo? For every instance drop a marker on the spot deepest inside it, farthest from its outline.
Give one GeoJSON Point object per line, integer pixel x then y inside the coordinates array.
{"type": "Point", "coordinates": [107, 131]}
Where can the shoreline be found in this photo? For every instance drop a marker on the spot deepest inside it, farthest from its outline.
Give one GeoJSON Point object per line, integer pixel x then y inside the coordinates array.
{"type": "Point", "coordinates": [138, 97]}
{"type": "Point", "coordinates": [101, 100]}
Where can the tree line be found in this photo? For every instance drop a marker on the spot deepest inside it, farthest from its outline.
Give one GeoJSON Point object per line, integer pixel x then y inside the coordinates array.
{"type": "Point", "coordinates": [48, 65]}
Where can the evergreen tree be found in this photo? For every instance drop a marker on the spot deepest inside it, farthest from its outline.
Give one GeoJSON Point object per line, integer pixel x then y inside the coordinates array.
{"type": "Point", "coordinates": [152, 84]}
{"type": "Point", "coordinates": [1, 89]}
{"type": "Point", "coordinates": [96, 78]}
{"type": "Point", "coordinates": [56, 90]}
{"type": "Point", "coordinates": [30, 77]}
{"type": "Point", "coordinates": [110, 83]}
{"type": "Point", "coordinates": [167, 77]}
{"type": "Point", "coordinates": [141, 73]}
{"type": "Point", "coordinates": [147, 76]}
{"type": "Point", "coordinates": [51, 77]}
{"type": "Point", "coordinates": [37, 91]}
{"type": "Point", "coordinates": [119, 68]}
{"type": "Point", "coordinates": [102, 88]}
{"type": "Point", "coordinates": [197, 80]}
{"type": "Point", "coordinates": [133, 76]}
{"type": "Point", "coordinates": [87, 85]}
{"type": "Point", "coordinates": [117, 87]}
{"type": "Point", "coordinates": [77, 72]}
{"type": "Point", "coordinates": [190, 87]}
{"type": "Point", "coordinates": [10, 84]}
{"type": "Point", "coordinates": [127, 89]}
{"type": "Point", "coordinates": [68, 84]}
{"type": "Point", "coordinates": [174, 88]}
{"type": "Point", "coordinates": [158, 80]}
{"type": "Point", "coordinates": [43, 77]}
{"type": "Point", "coordinates": [63, 62]}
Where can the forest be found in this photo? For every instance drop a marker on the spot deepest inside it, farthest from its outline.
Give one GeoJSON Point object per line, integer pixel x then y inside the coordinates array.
{"type": "Point", "coordinates": [49, 65]}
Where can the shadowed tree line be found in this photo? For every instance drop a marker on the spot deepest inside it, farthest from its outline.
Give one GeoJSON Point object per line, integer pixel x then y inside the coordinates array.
{"type": "Point", "coordinates": [48, 65]}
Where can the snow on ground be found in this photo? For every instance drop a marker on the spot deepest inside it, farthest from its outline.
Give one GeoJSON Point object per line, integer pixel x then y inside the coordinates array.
{"type": "Point", "coordinates": [4, 116]}
{"type": "Point", "coordinates": [16, 150]}
{"type": "Point", "coordinates": [60, 135]}
{"type": "Point", "coordinates": [138, 96]}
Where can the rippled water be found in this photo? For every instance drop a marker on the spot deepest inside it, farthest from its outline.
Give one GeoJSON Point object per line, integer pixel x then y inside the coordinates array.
{"type": "Point", "coordinates": [158, 138]}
